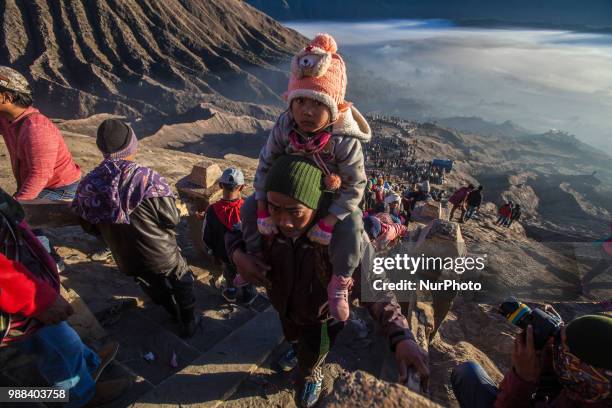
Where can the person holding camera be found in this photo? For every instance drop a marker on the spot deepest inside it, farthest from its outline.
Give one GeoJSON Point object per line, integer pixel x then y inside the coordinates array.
{"type": "Point", "coordinates": [572, 370]}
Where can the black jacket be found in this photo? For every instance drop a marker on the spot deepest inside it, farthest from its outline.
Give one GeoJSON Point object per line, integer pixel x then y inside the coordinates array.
{"type": "Point", "coordinates": [299, 274]}
{"type": "Point", "coordinates": [214, 235]}
{"type": "Point", "coordinates": [474, 198]}
{"type": "Point", "coordinates": [148, 244]}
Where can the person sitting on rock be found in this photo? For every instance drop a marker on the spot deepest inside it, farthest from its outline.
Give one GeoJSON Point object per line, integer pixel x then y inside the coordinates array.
{"type": "Point", "coordinates": [504, 213]}
{"type": "Point", "coordinates": [41, 162]}
{"type": "Point", "coordinates": [573, 371]}
{"type": "Point", "coordinates": [221, 217]}
{"type": "Point", "coordinates": [514, 216]}
{"type": "Point", "coordinates": [296, 271]}
{"type": "Point", "coordinates": [422, 193]}
{"type": "Point", "coordinates": [394, 202]}
{"type": "Point", "coordinates": [321, 125]}
{"type": "Point", "coordinates": [133, 208]}
{"type": "Point", "coordinates": [458, 201]}
{"type": "Point", "coordinates": [473, 201]}
{"type": "Point", "coordinates": [33, 323]}
{"type": "Point", "coordinates": [383, 235]}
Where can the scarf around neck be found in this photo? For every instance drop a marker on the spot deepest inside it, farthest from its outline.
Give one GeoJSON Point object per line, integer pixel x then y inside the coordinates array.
{"type": "Point", "coordinates": [113, 190]}
{"type": "Point", "coordinates": [228, 212]}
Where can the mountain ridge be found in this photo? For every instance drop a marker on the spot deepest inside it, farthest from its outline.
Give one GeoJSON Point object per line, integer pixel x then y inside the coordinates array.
{"type": "Point", "coordinates": [142, 57]}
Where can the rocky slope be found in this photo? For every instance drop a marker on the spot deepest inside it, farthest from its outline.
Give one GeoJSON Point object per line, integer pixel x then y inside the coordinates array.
{"type": "Point", "coordinates": [144, 58]}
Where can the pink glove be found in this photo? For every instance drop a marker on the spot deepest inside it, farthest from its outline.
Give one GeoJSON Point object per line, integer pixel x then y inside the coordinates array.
{"type": "Point", "coordinates": [321, 233]}
{"type": "Point", "coordinates": [265, 225]}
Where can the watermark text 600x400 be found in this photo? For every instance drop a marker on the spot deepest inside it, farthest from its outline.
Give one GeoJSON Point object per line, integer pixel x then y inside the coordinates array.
{"type": "Point", "coordinates": [33, 394]}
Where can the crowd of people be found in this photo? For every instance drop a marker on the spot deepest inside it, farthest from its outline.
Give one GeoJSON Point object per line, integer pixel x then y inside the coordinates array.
{"type": "Point", "coordinates": [308, 236]}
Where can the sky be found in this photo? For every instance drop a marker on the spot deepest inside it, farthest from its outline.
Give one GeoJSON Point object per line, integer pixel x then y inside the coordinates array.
{"type": "Point", "coordinates": [538, 79]}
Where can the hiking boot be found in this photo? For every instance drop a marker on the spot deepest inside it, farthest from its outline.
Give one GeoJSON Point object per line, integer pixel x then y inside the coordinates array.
{"type": "Point", "coordinates": [101, 255]}
{"type": "Point", "coordinates": [107, 391]}
{"type": "Point", "coordinates": [337, 296]}
{"type": "Point", "coordinates": [189, 323]}
{"type": "Point", "coordinates": [312, 390]}
{"type": "Point", "coordinates": [230, 294]}
{"type": "Point", "coordinates": [107, 354]}
{"type": "Point", "coordinates": [288, 361]}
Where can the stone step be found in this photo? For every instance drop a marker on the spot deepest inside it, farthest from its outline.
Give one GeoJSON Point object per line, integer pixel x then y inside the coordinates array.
{"type": "Point", "coordinates": [150, 329]}
{"type": "Point", "coordinates": [217, 374]}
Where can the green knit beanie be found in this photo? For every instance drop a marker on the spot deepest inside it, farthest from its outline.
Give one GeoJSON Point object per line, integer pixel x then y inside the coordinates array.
{"type": "Point", "coordinates": [296, 177]}
{"type": "Point", "coordinates": [589, 338]}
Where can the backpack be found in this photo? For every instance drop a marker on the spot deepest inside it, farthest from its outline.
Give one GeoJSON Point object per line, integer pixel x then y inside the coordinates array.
{"type": "Point", "coordinates": [19, 244]}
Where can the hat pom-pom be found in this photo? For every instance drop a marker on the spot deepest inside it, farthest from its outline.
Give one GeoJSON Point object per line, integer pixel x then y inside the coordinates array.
{"type": "Point", "coordinates": [332, 182]}
{"type": "Point", "coordinates": [326, 42]}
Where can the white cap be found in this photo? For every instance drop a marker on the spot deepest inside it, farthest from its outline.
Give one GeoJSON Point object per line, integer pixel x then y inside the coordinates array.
{"type": "Point", "coordinates": [392, 198]}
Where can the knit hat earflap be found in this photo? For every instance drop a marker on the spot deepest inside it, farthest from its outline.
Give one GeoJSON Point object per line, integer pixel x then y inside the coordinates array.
{"type": "Point", "coordinates": [298, 178]}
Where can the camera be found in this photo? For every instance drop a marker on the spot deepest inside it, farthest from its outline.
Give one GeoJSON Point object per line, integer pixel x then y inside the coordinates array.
{"type": "Point", "coordinates": [545, 325]}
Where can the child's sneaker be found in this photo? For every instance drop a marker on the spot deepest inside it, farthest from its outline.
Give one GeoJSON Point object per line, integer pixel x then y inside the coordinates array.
{"type": "Point", "coordinates": [337, 296]}
{"type": "Point", "coordinates": [288, 361]}
{"type": "Point", "coordinates": [312, 390]}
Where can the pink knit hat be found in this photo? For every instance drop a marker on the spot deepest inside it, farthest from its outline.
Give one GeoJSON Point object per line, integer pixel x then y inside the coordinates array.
{"type": "Point", "coordinates": [317, 72]}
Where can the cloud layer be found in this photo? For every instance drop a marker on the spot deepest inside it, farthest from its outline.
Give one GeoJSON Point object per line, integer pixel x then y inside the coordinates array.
{"type": "Point", "coordinates": [539, 79]}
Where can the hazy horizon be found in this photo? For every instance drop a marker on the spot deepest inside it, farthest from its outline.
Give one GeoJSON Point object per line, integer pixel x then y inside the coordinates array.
{"type": "Point", "coordinates": [538, 79]}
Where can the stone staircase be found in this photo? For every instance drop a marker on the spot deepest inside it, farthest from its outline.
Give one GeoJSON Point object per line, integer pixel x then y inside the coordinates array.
{"type": "Point", "coordinates": [201, 371]}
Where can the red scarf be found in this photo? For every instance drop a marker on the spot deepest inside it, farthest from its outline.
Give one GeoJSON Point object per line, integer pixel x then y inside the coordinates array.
{"type": "Point", "coordinates": [312, 143]}
{"type": "Point", "coordinates": [228, 212]}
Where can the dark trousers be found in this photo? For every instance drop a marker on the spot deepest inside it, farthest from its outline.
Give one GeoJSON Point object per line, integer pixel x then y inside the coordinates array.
{"type": "Point", "coordinates": [472, 386]}
{"type": "Point", "coordinates": [229, 273]}
{"type": "Point", "coordinates": [311, 343]}
{"type": "Point", "coordinates": [452, 212]}
{"type": "Point", "coordinates": [173, 293]}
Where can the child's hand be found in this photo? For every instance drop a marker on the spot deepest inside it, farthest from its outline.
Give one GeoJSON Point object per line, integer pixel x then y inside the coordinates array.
{"type": "Point", "coordinates": [265, 224]}
{"type": "Point", "coordinates": [321, 233]}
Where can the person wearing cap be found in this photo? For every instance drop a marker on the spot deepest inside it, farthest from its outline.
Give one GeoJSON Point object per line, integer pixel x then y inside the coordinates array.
{"type": "Point", "coordinates": [134, 210]}
{"type": "Point", "coordinates": [40, 159]}
{"type": "Point", "coordinates": [573, 370]}
{"type": "Point", "coordinates": [320, 124]}
{"type": "Point", "coordinates": [394, 202]}
{"type": "Point", "coordinates": [41, 162]}
{"type": "Point", "coordinates": [221, 217]}
{"type": "Point", "coordinates": [296, 272]}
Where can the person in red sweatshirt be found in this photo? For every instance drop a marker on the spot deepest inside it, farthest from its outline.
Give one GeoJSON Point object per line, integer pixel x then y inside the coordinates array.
{"type": "Point", "coordinates": [458, 201]}
{"type": "Point", "coordinates": [40, 159]}
{"type": "Point", "coordinates": [221, 217]}
{"type": "Point", "coordinates": [41, 162]}
{"type": "Point", "coordinates": [572, 371]}
{"type": "Point", "coordinates": [33, 317]}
